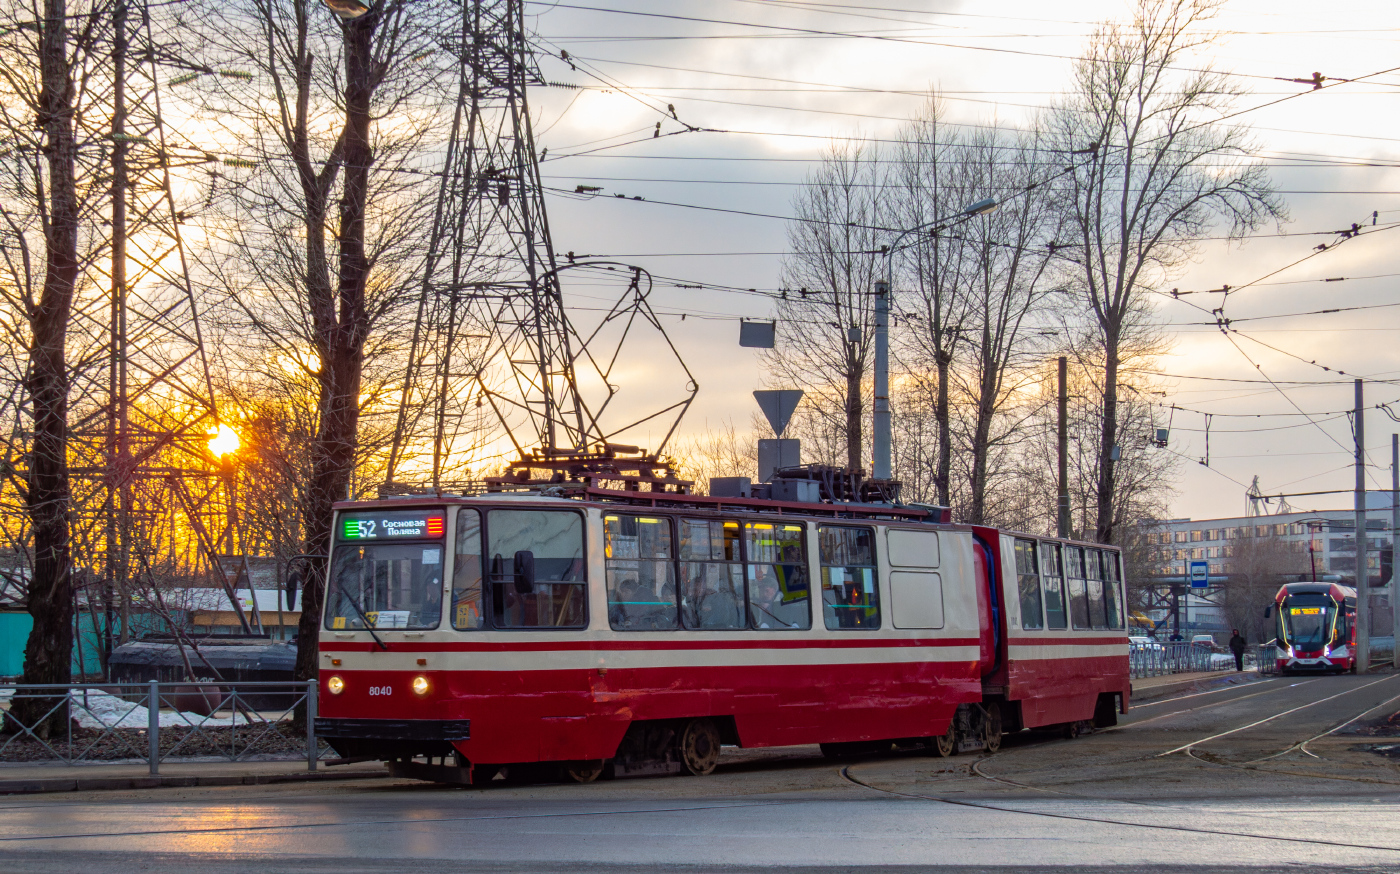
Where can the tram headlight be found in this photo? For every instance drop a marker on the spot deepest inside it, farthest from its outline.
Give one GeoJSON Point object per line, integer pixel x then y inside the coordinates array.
{"type": "Point", "coordinates": [335, 685]}
{"type": "Point", "coordinates": [420, 685]}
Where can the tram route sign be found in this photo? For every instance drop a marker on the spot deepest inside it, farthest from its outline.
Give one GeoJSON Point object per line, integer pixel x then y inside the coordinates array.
{"type": "Point", "coordinates": [391, 525]}
{"type": "Point", "coordinates": [1200, 574]}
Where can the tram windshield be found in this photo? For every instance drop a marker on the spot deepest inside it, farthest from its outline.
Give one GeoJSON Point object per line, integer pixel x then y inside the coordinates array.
{"type": "Point", "coordinates": [1308, 621]}
{"type": "Point", "coordinates": [385, 585]}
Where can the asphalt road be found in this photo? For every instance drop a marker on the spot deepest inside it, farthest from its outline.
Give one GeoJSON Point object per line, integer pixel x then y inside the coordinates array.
{"type": "Point", "coordinates": [1243, 778]}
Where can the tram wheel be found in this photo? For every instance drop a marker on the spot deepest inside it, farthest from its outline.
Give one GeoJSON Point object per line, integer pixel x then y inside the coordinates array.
{"type": "Point", "coordinates": [991, 727]}
{"type": "Point", "coordinates": [585, 772]}
{"type": "Point", "coordinates": [699, 747]}
{"type": "Point", "coordinates": [946, 744]}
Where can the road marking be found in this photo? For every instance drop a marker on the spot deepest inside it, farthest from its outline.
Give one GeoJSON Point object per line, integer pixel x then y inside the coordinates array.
{"type": "Point", "coordinates": [1128, 725]}
{"type": "Point", "coordinates": [845, 772]}
{"type": "Point", "coordinates": [1199, 694]}
{"type": "Point", "coordinates": [1271, 718]}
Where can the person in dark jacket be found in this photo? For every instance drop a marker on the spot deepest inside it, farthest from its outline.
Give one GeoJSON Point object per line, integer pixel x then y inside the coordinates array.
{"type": "Point", "coordinates": [1237, 647]}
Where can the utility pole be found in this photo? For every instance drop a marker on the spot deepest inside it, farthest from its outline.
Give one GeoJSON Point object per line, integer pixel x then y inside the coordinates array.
{"type": "Point", "coordinates": [1363, 613]}
{"type": "Point", "coordinates": [1394, 540]}
{"type": "Point", "coordinates": [882, 430]}
{"type": "Point", "coordinates": [1062, 449]}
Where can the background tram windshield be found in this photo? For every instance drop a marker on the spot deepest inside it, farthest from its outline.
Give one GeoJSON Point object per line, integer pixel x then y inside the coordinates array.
{"type": "Point", "coordinates": [1307, 621]}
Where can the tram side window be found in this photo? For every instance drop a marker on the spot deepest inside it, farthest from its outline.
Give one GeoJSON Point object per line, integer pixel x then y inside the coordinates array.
{"type": "Point", "coordinates": [1093, 561]}
{"type": "Point", "coordinates": [1052, 580]}
{"type": "Point", "coordinates": [779, 588]}
{"type": "Point", "coordinates": [467, 610]}
{"type": "Point", "coordinates": [1074, 579]}
{"type": "Point", "coordinates": [641, 573]}
{"type": "Point", "coordinates": [1028, 581]}
{"type": "Point", "coordinates": [850, 598]}
{"type": "Point", "coordinates": [712, 576]}
{"type": "Point", "coordinates": [551, 541]}
{"type": "Point", "coordinates": [1113, 589]}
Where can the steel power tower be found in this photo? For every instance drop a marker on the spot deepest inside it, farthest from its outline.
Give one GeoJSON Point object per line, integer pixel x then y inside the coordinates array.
{"type": "Point", "coordinates": [158, 505]}
{"type": "Point", "coordinates": [493, 256]}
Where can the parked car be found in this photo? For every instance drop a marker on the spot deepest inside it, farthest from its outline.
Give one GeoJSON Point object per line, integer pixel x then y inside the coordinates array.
{"type": "Point", "coordinates": [1205, 640]}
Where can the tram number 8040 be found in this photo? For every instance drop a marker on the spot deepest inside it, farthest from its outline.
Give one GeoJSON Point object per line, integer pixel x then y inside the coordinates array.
{"type": "Point", "coordinates": [381, 690]}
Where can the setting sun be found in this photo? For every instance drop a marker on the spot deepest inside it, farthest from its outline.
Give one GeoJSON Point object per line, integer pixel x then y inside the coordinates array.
{"type": "Point", "coordinates": [224, 441]}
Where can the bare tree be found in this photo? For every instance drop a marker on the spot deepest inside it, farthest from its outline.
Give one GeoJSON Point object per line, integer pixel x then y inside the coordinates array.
{"type": "Point", "coordinates": [826, 321]}
{"type": "Point", "coordinates": [1153, 170]}
{"type": "Point", "coordinates": [719, 451]}
{"type": "Point", "coordinates": [49, 190]}
{"type": "Point", "coordinates": [927, 185]}
{"type": "Point", "coordinates": [1257, 566]}
{"type": "Point", "coordinates": [1006, 286]}
{"type": "Point", "coordinates": [329, 231]}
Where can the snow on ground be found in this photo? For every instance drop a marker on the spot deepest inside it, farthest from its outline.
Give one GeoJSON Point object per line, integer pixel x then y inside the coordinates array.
{"type": "Point", "coordinates": [94, 709]}
{"type": "Point", "coordinates": [101, 709]}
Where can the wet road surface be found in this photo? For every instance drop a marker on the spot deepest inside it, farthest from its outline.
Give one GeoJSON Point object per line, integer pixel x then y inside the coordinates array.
{"type": "Point", "coordinates": [1248, 777]}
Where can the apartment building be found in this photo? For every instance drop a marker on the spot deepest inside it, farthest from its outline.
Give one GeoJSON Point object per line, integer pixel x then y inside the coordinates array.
{"type": "Point", "coordinates": [1329, 534]}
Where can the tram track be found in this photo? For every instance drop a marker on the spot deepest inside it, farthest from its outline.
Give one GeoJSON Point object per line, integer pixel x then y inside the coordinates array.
{"type": "Point", "coordinates": [1190, 747]}
{"type": "Point", "coordinates": [963, 802]}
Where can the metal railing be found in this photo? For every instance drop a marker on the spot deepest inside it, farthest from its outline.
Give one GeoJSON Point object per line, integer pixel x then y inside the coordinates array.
{"type": "Point", "coordinates": [1158, 659]}
{"type": "Point", "coordinates": [1266, 658]}
{"type": "Point", "coordinates": [155, 722]}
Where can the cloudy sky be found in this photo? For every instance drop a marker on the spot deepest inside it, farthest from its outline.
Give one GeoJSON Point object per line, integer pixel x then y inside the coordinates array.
{"type": "Point", "coordinates": [777, 80]}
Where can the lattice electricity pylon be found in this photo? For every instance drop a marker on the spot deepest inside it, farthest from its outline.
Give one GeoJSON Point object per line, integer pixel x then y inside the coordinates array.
{"type": "Point", "coordinates": [158, 506]}
{"type": "Point", "coordinates": [547, 381]}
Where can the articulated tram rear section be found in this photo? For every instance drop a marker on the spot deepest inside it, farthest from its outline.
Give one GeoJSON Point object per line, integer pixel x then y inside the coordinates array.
{"type": "Point", "coordinates": [627, 634]}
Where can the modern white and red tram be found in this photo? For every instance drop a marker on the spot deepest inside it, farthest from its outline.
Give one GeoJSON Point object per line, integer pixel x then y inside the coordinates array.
{"type": "Point", "coordinates": [632, 632]}
{"type": "Point", "coordinates": [1316, 627]}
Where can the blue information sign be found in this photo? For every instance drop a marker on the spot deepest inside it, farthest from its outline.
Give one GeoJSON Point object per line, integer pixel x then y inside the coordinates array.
{"type": "Point", "coordinates": [1200, 574]}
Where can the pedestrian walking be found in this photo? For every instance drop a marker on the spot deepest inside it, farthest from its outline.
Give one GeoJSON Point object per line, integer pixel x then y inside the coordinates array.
{"type": "Point", "coordinates": [1237, 647]}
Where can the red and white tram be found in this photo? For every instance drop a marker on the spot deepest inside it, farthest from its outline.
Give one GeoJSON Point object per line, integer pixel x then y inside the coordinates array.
{"type": "Point", "coordinates": [1316, 627]}
{"type": "Point", "coordinates": [632, 632]}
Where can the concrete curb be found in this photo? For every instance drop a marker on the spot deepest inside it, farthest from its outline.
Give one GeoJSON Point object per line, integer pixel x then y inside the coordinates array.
{"type": "Point", "coordinates": [85, 784]}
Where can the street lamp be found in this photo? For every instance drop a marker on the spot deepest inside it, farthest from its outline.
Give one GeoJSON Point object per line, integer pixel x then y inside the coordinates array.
{"type": "Point", "coordinates": [882, 331]}
{"type": "Point", "coordinates": [349, 9]}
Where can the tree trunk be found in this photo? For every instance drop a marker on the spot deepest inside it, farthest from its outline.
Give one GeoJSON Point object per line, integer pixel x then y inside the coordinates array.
{"type": "Point", "coordinates": [981, 436]}
{"type": "Point", "coordinates": [855, 417]}
{"type": "Point", "coordinates": [1108, 438]}
{"type": "Point", "coordinates": [945, 436]}
{"type": "Point", "coordinates": [341, 335]}
{"type": "Point", "coordinates": [49, 652]}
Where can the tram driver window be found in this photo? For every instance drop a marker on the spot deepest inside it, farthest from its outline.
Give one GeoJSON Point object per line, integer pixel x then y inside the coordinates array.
{"type": "Point", "coordinates": [551, 540]}
{"type": "Point", "coordinates": [385, 585]}
{"type": "Point", "coordinates": [779, 590]}
{"type": "Point", "coordinates": [1074, 578]}
{"type": "Point", "coordinates": [467, 611]}
{"type": "Point", "coordinates": [1093, 587]}
{"type": "Point", "coordinates": [1113, 590]}
{"type": "Point", "coordinates": [1052, 580]}
{"type": "Point", "coordinates": [641, 575]}
{"type": "Point", "coordinates": [850, 598]}
{"type": "Point", "coordinates": [712, 577]}
{"type": "Point", "coordinates": [1028, 582]}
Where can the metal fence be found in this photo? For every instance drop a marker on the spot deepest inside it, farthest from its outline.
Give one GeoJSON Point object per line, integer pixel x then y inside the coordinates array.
{"type": "Point", "coordinates": [1266, 658]}
{"type": "Point", "coordinates": [1157, 659]}
{"type": "Point", "coordinates": [154, 722]}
